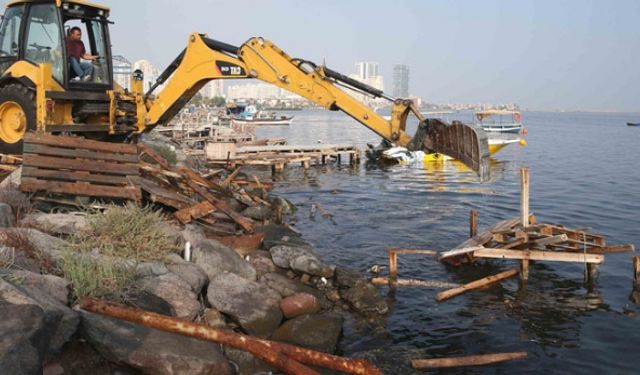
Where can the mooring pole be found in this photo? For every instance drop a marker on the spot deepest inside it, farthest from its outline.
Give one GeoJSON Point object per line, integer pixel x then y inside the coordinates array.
{"type": "Point", "coordinates": [473, 223]}
{"type": "Point", "coordinates": [524, 216]}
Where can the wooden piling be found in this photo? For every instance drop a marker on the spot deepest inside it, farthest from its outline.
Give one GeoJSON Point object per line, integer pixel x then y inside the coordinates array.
{"type": "Point", "coordinates": [524, 269]}
{"type": "Point", "coordinates": [473, 223]}
{"type": "Point", "coordinates": [591, 272]}
{"type": "Point", "coordinates": [636, 270]}
{"type": "Point", "coordinates": [524, 197]}
{"type": "Point", "coordinates": [393, 268]}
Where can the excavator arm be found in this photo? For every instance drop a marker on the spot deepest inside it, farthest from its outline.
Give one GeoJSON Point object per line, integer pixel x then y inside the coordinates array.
{"type": "Point", "coordinates": [206, 59]}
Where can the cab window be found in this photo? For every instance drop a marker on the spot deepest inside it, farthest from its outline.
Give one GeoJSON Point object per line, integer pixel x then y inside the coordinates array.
{"type": "Point", "coordinates": [10, 32]}
{"type": "Point", "coordinates": [44, 44]}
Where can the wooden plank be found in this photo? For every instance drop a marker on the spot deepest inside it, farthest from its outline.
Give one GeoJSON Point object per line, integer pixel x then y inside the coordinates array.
{"type": "Point", "coordinates": [77, 142]}
{"type": "Point", "coordinates": [80, 165]}
{"type": "Point", "coordinates": [30, 148]}
{"type": "Point", "coordinates": [188, 214]}
{"type": "Point", "coordinates": [53, 174]}
{"type": "Point", "coordinates": [415, 251]}
{"type": "Point", "coordinates": [447, 294]}
{"type": "Point", "coordinates": [524, 197]}
{"type": "Point", "coordinates": [230, 178]}
{"type": "Point", "coordinates": [161, 195]}
{"type": "Point", "coordinates": [554, 256]}
{"type": "Point", "coordinates": [551, 240]}
{"type": "Point", "coordinates": [458, 252]}
{"type": "Point", "coordinates": [33, 185]}
{"type": "Point", "coordinates": [636, 270]}
{"type": "Point", "coordinates": [146, 150]}
{"type": "Point", "coordinates": [474, 360]}
{"type": "Point", "coordinates": [244, 222]}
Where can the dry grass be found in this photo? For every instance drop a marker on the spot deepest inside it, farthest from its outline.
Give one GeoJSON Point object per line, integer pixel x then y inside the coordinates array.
{"type": "Point", "coordinates": [19, 202]}
{"type": "Point", "coordinates": [92, 278]}
{"type": "Point", "coordinates": [131, 232]}
{"type": "Point", "coordinates": [20, 242]}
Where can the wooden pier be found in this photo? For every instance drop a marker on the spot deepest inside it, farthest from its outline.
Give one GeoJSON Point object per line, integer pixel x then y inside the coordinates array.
{"type": "Point", "coordinates": [522, 239]}
{"type": "Point", "coordinates": [279, 156]}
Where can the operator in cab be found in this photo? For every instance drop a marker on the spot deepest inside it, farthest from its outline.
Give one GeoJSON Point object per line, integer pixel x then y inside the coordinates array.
{"type": "Point", "coordinates": [76, 51]}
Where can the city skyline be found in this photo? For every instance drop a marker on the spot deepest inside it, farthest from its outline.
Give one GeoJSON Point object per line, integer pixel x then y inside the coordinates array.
{"type": "Point", "coordinates": [541, 54]}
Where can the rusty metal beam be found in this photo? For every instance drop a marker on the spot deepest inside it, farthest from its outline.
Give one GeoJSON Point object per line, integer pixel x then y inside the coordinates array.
{"type": "Point", "coordinates": [288, 358]}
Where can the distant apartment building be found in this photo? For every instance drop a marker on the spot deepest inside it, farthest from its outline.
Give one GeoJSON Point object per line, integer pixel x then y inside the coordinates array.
{"type": "Point", "coordinates": [401, 81]}
{"type": "Point", "coordinates": [367, 73]}
{"type": "Point", "coordinates": [366, 69]}
{"type": "Point", "coordinates": [149, 71]}
{"type": "Point", "coordinates": [122, 69]}
{"type": "Point", "coordinates": [213, 89]}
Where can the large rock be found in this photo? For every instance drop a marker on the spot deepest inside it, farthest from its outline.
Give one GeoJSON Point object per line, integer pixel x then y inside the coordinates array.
{"type": "Point", "coordinates": [60, 223]}
{"type": "Point", "coordinates": [317, 332]}
{"type": "Point", "coordinates": [287, 287]}
{"type": "Point", "coordinates": [365, 298]}
{"type": "Point", "coordinates": [191, 273]}
{"type": "Point", "coordinates": [215, 258]}
{"type": "Point", "coordinates": [254, 306]}
{"type": "Point", "coordinates": [246, 363]}
{"type": "Point", "coordinates": [50, 293]}
{"type": "Point", "coordinates": [35, 321]}
{"type": "Point", "coordinates": [261, 261]}
{"type": "Point", "coordinates": [7, 217]}
{"type": "Point", "coordinates": [257, 213]}
{"type": "Point", "coordinates": [151, 351]}
{"type": "Point", "coordinates": [25, 332]}
{"type": "Point", "coordinates": [347, 278]}
{"type": "Point", "coordinates": [299, 304]}
{"type": "Point", "coordinates": [176, 292]}
{"type": "Point", "coordinates": [300, 259]}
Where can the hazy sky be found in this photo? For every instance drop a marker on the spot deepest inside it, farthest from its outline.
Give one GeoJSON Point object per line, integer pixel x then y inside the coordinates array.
{"type": "Point", "coordinates": [539, 54]}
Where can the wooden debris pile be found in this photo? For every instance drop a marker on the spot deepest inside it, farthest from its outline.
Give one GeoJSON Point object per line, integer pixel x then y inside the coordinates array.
{"type": "Point", "coordinates": [71, 167]}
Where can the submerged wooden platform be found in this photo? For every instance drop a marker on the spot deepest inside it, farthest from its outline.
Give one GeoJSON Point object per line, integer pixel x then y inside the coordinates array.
{"type": "Point", "coordinates": [279, 156]}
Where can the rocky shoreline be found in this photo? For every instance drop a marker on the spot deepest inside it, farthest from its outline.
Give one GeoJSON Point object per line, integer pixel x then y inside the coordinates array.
{"type": "Point", "coordinates": [281, 290]}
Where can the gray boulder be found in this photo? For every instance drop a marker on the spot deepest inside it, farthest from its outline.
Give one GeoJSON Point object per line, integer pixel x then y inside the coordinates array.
{"type": "Point", "coordinates": [7, 217]}
{"type": "Point", "coordinates": [288, 287]}
{"type": "Point", "coordinates": [255, 307]}
{"type": "Point", "coordinates": [347, 278]}
{"type": "Point", "coordinates": [151, 351]}
{"type": "Point", "coordinates": [176, 292]}
{"type": "Point", "coordinates": [318, 332]}
{"type": "Point", "coordinates": [300, 259]}
{"type": "Point", "coordinates": [50, 293]}
{"type": "Point", "coordinates": [246, 363]}
{"type": "Point", "coordinates": [365, 298]}
{"type": "Point", "coordinates": [257, 213]}
{"type": "Point", "coordinates": [190, 273]}
{"type": "Point", "coordinates": [215, 258]}
{"type": "Point", "coordinates": [59, 223]}
{"type": "Point", "coordinates": [261, 261]}
{"type": "Point", "coordinates": [24, 332]}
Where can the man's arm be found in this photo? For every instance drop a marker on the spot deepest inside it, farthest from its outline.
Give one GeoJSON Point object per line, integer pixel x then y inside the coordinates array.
{"type": "Point", "coordinates": [89, 57]}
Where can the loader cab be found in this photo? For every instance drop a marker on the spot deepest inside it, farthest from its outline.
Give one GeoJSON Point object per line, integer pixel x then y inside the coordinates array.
{"type": "Point", "coordinates": [38, 32]}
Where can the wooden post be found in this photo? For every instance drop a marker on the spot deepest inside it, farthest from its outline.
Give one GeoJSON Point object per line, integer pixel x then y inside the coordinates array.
{"type": "Point", "coordinates": [393, 267]}
{"type": "Point", "coordinates": [324, 159]}
{"type": "Point", "coordinates": [636, 270]}
{"type": "Point", "coordinates": [592, 273]}
{"type": "Point", "coordinates": [524, 269]}
{"type": "Point", "coordinates": [473, 223]}
{"type": "Point", "coordinates": [339, 158]}
{"type": "Point", "coordinates": [524, 197]}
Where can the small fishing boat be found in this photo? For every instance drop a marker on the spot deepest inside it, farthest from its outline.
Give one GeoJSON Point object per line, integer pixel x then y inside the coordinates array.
{"type": "Point", "coordinates": [633, 123]}
{"type": "Point", "coordinates": [250, 115]}
{"type": "Point", "coordinates": [499, 121]}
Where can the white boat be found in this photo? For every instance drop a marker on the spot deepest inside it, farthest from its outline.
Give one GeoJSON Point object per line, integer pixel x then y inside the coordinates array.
{"type": "Point", "coordinates": [499, 121]}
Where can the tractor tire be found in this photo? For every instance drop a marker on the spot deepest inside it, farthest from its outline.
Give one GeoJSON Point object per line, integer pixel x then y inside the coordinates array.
{"type": "Point", "coordinates": [17, 116]}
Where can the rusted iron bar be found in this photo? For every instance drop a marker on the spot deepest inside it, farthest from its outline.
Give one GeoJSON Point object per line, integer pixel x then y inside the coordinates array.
{"type": "Point", "coordinates": [284, 356]}
{"type": "Point", "coordinates": [473, 360]}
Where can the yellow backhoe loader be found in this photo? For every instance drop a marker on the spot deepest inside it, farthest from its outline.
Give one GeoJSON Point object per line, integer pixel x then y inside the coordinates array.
{"type": "Point", "coordinates": [42, 88]}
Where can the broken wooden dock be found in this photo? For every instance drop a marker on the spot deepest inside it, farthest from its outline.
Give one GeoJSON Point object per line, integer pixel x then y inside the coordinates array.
{"type": "Point", "coordinates": [279, 156]}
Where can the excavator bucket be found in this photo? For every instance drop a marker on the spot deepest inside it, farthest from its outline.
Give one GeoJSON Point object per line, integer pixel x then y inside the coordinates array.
{"type": "Point", "coordinates": [463, 142]}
